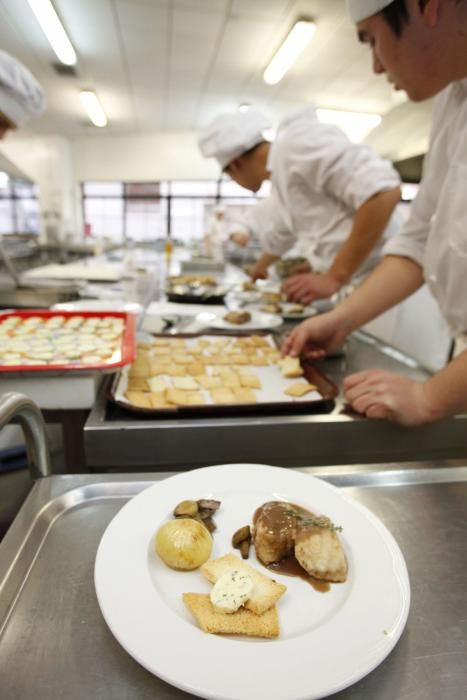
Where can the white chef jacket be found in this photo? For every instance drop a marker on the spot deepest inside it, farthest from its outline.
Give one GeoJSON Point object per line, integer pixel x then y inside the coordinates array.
{"type": "Point", "coordinates": [319, 179]}
{"type": "Point", "coordinates": [435, 235]}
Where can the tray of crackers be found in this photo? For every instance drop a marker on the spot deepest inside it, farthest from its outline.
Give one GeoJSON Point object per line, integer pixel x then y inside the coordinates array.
{"type": "Point", "coordinates": [219, 374]}
{"type": "Point", "coordinates": [54, 342]}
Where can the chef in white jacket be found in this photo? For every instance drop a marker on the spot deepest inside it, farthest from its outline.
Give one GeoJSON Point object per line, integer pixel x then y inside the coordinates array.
{"type": "Point", "coordinates": [335, 197]}
{"type": "Point", "coordinates": [21, 96]}
{"type": "Point", "coordinates": [422, 48]}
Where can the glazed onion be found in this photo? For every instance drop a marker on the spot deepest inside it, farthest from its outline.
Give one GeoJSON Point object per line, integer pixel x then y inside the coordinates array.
{"type": "Point", "coordinates": [183, 544]}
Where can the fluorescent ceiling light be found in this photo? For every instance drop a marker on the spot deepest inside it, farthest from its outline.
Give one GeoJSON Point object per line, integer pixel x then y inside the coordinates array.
{"type": "Point", "coordinates": [4, 180]}
{"type": "Point", "coordinates": [244, 107]}
{"type": "Point", "coordinates": [54, 31]}
{"type": "Point", "coordinates": [355, 124]}
{"type": "Point", "coordinates": [295, 42]}
{"type": "Point", "coordinates": [93, 107]}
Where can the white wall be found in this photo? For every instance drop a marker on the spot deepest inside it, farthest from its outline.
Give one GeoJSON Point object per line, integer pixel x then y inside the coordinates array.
{"type": "Point", "coordinates": [166, 155]}
{"type": "Point", "coordinates": [48, 161]}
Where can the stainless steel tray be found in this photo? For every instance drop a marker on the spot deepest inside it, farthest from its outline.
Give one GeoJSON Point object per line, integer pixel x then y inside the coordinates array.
{"type": "Point", "coordinates": [54, 643]}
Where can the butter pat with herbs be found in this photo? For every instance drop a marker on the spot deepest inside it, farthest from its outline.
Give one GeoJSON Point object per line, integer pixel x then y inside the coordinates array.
{"type": "Point", "coordinates": [231, 591]}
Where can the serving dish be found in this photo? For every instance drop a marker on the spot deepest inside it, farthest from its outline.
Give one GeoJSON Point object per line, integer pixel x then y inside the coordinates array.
{"type": "Point", "coordinates": [328, 641]}
{"type": "Point", "coordinates": [51, 342]}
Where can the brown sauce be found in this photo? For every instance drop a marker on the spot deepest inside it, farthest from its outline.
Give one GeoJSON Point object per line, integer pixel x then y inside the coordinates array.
{"type": "Point", "coordinates": [290, 567]}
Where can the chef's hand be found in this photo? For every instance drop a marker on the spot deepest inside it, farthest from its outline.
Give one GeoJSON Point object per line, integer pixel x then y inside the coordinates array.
{"type": "Point", "coordinates": [259, 272]}
{"type": "Point", "coordinates": [307, 287]}
{"type": "Point", "coordinates": [240, 238]}
{"type": "Point", "coordinates": [315, 337]}
{"type": "Point", "coordinates": [379, 394]}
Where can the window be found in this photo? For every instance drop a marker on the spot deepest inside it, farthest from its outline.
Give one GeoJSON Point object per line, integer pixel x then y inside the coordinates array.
{"type": "Point", "coordinates": [148, 211]}
{"type": "Point", "coordinates": [19, 207]}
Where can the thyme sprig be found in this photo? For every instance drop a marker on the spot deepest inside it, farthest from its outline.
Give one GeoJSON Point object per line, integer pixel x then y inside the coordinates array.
{"type": "Point", "coordinates": [324, 523]}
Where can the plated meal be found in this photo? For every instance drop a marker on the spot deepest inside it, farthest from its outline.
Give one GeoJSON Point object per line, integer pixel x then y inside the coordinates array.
{"type": "Point", "coordinates": [171, 373]}
{"type": "Point", "coordinates": [201, 289]}
{"type": "Point", "coordinates": [66, 340]}
{"type": "Point", "coordinates": [247, 320]}
{"type": "Point", "coordinates": [224, 612]}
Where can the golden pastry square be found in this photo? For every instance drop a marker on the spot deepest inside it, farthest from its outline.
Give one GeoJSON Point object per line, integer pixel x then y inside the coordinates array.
{"type": "Point", "coordinates": [185, 383]}
{"type": "Point", "coordinates": [196, 368]}
{"type": "Point", "coordinates": [259, 361]}
{"type": "Point", "coordinates": [177, 343]}
{"type": "Point", "coordinates": [158, 368]}
{"type": "Point", "coordinates": [299, 389]}
{"type": "Point", "coordinates": [273, 355]}
{"type": "Point", "coordinates": [222, 395]}
{"type": "Point", "coordinates": [290, 367]}
{"type": "Point", "coordinates": [242, 622]}
{"type": "Point", "coordinates": [184, 398]}
{"type": "Point", "coordinates": [250, 381]}
{"type": "Point", "coordinates": [158, 400]}
{"type": "Point", "coordinates": [231, 381]}
{"type": "Point", "coordinates": [242, 359]}
{"type": "Point", "coordinates": [259, 341]}
{"type": "Point", "coordinates": [160, 350]}
{"type": "Point", "coordinates": [182, 358]}
{"type": "Point", "coordinates": [208, 382]}
{"type": "Point", "coordinates": [157, 384]}
{"type": "Point", "coordinates": [176, 397]}
{"type": "Point", "coordinates": [161, 359]}
{"type": "Point", "coordinates": [140, 368]}
{"type": "Point", "coordinates": [194, 398]}
{"type": "Point", "coordinates": [245, 395]}
{"type": "Point", "coordinates": [139, 398]}
{"type": "Point", "coordinates": [137, 384]}
{"type": "Point", "coordinates": [176, 370]}
{"type": "Point", "coordinates": [160, 342]}
{"type": "Point", "coordinates": [226, 374]}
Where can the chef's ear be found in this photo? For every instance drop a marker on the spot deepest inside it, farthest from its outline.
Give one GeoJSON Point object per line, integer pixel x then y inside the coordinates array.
{"type": "Point", "coordinates": [430, 9]}
{"type": "Point", "coordinates": [234, 166]}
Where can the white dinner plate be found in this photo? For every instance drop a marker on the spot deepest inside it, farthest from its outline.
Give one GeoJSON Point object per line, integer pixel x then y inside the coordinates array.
{"type": "Point", "coordinates": [259, 321]}
{"type": "Point", "coordinates": [328, 640]}
{"type": "Point", "coordinates": [100, 305]}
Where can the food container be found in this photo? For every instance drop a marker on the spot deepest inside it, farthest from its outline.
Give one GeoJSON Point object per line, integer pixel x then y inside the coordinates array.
{"type": "Point", "coordinates": [269, 398]}
{"type": "Point", "coordinates": [50, 342]}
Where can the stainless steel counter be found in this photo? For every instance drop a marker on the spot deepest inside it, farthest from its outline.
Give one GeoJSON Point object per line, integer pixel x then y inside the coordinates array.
{"type": "Point", "coordinates": [118, 439]}
{"type": "Point", "coordinates": [55, 644]}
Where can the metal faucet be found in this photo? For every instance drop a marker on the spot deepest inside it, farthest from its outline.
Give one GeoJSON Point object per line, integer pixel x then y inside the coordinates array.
{"type": "Point", "coordinates": [23, 410]}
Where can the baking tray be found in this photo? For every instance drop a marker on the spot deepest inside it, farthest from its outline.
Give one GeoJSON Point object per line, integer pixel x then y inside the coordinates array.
{"type": "Point", "coordinates": [127, 352]}
{"type": "Point", "coordinates": [325, 386]}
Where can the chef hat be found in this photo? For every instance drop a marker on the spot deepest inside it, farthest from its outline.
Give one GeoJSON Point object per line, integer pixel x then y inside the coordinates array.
{"type": "Point", "coordinates": [21, 96]}
{"type": "Point", "coordinates": [361, 9]}
{"type": "Point", "coordinates": [232, 134]}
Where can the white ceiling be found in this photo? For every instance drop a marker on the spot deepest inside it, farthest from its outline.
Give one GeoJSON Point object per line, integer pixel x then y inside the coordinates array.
{"type": "Point", "coordinates": [173, 64]}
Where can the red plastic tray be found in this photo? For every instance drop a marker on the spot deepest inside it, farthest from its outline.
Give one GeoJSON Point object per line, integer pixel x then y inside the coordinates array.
{"type": "Point", "coordinates": [128, 346]}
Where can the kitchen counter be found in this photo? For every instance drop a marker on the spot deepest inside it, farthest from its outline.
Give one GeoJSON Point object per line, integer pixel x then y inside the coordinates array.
{"type": "Point", "coordinates": [119, 439]}
{"type": "Point", "coordinates": [55, 643]}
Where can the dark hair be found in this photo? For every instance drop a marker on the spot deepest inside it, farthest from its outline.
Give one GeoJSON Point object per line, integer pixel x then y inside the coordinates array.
{"type": "Point", "coordinates": [396, 15]}
{"type": "Point", "coordinates": [247, 153]}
